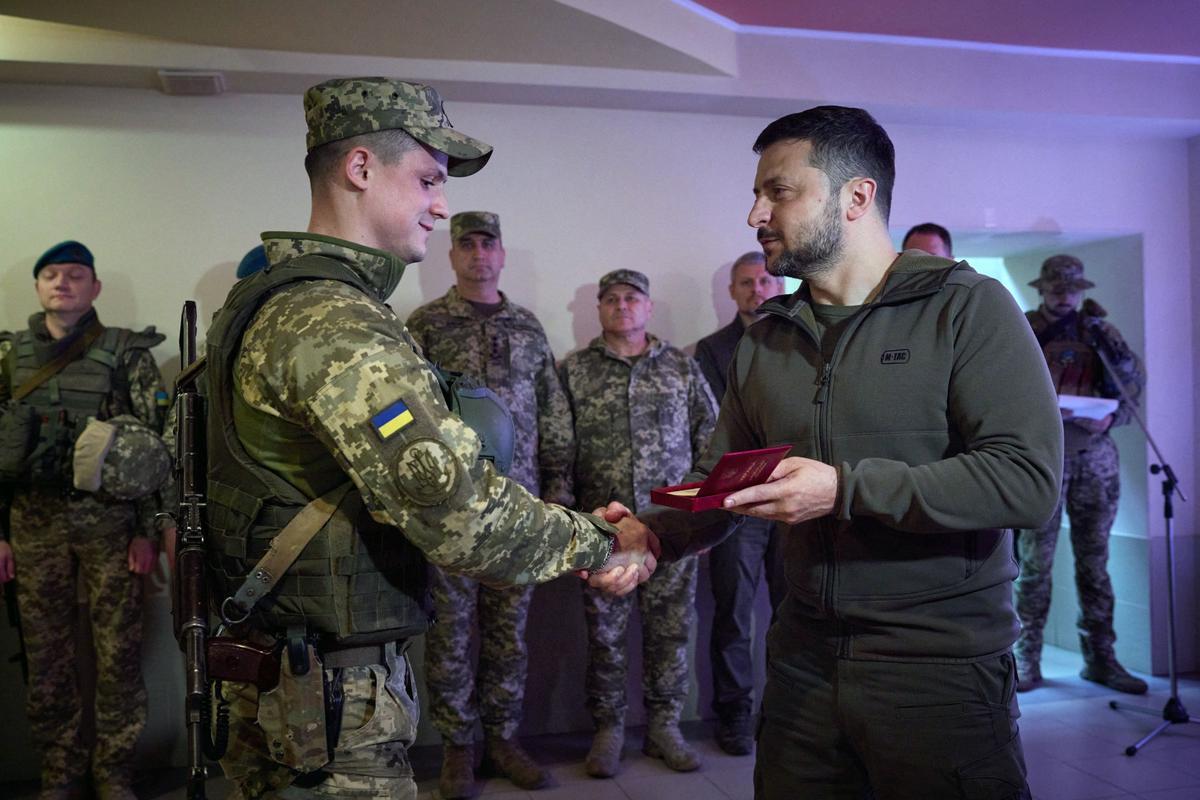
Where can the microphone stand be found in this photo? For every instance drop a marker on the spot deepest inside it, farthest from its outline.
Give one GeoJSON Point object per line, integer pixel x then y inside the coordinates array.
{"type": "Point", "coordinates": [1174, 712]}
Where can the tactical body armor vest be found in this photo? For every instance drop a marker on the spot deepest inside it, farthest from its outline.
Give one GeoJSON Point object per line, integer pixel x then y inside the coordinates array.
{"type": "Point", "coordinates": [357, 580]}
{"type": "Point", "coordinates": [92, 385]}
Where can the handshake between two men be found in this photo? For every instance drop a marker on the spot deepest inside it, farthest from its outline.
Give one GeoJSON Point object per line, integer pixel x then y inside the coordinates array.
{"type": "Point", "coordinates": [797, 490]}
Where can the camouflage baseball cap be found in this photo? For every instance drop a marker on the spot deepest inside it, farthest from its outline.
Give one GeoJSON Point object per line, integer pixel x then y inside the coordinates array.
{"type": "Point", "coordinates": [630, 276]}
{"type": "Point", "coordinates": [465, 222]}
{"type": "Point", "coordinates": [1062, 273]}
{"type": "Point", "coordinates": [345, 107]}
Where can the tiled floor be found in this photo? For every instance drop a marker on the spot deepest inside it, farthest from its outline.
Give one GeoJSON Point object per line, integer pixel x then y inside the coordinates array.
{"type": "Point", "coordinates": [1074, 748]}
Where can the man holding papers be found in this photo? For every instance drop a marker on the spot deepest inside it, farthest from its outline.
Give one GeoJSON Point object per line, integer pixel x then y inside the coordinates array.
{"type": "Point", "coordinates": [1072, 341]}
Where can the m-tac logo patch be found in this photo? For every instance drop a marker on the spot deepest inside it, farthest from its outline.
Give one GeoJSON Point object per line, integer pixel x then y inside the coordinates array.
{"type": "Point", "coordinates": [894, 357]}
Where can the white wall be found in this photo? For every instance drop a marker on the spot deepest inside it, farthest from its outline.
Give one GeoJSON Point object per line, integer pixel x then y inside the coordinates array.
{"type": "Point", "coordinates": [170, 192]}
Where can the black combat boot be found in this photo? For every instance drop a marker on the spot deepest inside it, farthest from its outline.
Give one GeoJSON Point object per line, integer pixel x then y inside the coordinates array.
{"type": "Point", "coordinates": [735, 734]}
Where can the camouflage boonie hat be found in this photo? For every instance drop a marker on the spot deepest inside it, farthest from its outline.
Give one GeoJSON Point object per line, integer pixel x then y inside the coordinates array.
{"type": "Point", "coordinates": [1062, 273]}
{"type": "Point", "coordinates": [465, 222]}
{"type": "Point", "coordinates": [121, 457]}
{"type": "Point", "coordinates": [345, 107]}
{"type": "Point", "coordinates": [630, 276]}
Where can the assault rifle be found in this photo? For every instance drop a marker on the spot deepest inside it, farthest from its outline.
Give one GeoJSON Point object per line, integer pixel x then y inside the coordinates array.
{"type": "Point", "coordinates": [190, 590]}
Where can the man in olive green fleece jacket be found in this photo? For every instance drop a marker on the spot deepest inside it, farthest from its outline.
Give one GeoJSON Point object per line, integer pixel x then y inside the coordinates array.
{"type": "Point", "coordinates": [923, 426]}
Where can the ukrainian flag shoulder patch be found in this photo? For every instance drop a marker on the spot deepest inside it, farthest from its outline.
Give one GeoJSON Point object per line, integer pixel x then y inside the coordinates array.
{"type": "Point", "coordinates": [391, 420]}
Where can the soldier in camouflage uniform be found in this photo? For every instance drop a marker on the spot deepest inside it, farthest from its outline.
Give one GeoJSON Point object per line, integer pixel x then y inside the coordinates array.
{"type": "Point", "coordinates": [1091, 486]}
{"type": "Point", "coordinates": [60, 534]}
{"type": "Point", "coordinates": [476, 330]}
{"type": "Point", "coordinates": [319, 398]}
{"type": "Point", "coordinates": [643, 414]}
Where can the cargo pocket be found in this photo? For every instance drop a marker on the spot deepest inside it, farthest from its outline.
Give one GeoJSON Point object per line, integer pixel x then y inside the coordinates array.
{"type": "Point", "coordinates": [999, 775]}
{"type": "Point", "coordinates": [383, 704]}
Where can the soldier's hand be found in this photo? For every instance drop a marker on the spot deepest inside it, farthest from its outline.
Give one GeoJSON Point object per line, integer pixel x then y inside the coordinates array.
{"type": "Point", "coordinates": [798, 489]}
{"type": "Point", "coordinates": [8, 566]}
{"type": "Point", "coordinates": [142, 555]}
{"type": "Point", "coordinates": [634, 557]}
{"type": "Point", "coordinates": [614, 512]}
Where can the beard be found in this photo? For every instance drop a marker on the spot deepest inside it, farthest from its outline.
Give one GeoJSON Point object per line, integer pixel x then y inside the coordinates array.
{"type": "Point", "coordinates": [820, 246]}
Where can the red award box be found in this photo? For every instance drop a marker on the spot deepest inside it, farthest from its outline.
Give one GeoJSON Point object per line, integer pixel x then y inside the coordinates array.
{"type": "Point", "coordinates": [734, 471]}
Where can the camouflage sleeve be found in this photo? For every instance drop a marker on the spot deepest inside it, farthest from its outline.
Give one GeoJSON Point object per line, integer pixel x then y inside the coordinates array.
{"type": "Point", "coordinates": [148, 402]}
{"type": "Point", "coordinates": [683, 533]}
{"type": "Point", "coordinates": [355, 381]}
{"type": "Point", "coordinates": [702, 413]}
{"type": "Point", "coordinates": [148, 399]}
{"type": "Point", "coordinates": [556, 440]}
{"type": "Point", "coordinates": [418, 327]}
{"type": "Point", "coordinates": [168, 494]}
{"type": "Point", "coordinates": [568, 475]}
{"type": "Point", "coordinates": [1129, 371]}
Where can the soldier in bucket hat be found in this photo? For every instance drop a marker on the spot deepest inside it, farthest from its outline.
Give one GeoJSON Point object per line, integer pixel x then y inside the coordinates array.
{"type": "Point", "coordinates": [320, 399]}
{"type": "Point", "coordinates": [1071, 336]}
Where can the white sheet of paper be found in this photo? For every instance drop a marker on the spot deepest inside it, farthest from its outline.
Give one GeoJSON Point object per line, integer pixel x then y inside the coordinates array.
{"type": "Point", "coordinates": [1087, 407]}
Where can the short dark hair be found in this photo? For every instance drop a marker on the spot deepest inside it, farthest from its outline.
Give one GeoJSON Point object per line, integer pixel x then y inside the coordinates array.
{"type": "Point", "coordinates": [752, 257]}
{"type": "Point", "coordinates": [388, 145]}
{"type": "Point", "coordinates": [933, 229]}
{"type": "Point", "coordinates": [846, 143]}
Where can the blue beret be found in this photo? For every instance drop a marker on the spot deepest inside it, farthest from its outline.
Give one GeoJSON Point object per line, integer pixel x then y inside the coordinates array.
{"type": "Point", "coordinates": [68, 252]}
{"type": "Point", "coordinates": [252, 262]}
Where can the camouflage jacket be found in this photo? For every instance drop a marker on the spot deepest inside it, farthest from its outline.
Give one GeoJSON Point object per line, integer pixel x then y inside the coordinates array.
{"type": "Point", "coordinates": [339, 364]}
{"type": "Point", "coordinates": [639, 423]}
{"type": "Point", "coordinates": [1069, 345]}
{"type": "Point", "coordinates": [139, 391]}
{"type": "Point", "coordinates": [508, 352]}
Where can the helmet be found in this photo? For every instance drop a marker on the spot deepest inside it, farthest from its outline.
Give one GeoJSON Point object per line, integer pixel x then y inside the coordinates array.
{"type": "Point", "coordinates": [121, 457]}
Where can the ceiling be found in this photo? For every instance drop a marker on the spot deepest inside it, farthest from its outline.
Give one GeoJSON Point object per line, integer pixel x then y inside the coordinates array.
{"type": "Point", "coordinates": [1161, 27]}
{"type": "Point", "coordinates": [1078, 65]}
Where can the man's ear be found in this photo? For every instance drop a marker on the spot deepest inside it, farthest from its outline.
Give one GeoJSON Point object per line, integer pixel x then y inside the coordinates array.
{"type": "Point", "coordinates": [357, 166]}
{"type": "Point", "coordinates": [96, 289]}
{"type": "Point", "coordinates": [861, 197]}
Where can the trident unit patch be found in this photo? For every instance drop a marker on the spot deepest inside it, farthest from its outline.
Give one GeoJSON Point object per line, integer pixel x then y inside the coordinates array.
{"type": "Point", "coordinates": [392, 420]}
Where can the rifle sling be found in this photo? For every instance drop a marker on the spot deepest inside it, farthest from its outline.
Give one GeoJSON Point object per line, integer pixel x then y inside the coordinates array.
{"type": "Point", "coordinates": [59, 362]}
{"type": "Point", "coordinates": [284, 550]}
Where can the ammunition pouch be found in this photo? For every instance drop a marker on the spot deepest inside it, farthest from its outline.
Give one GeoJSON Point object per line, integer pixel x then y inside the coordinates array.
{"type": "Point", "coordinates": [18, 436]}
{"type": "Point", "coordinates": [48, 463]}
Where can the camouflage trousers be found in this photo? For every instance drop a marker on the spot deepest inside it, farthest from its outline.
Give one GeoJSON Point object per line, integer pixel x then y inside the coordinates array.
{"type": "Point", "coordinates": [1090, 491]}
{"type": "Point", "coordinates": [378, 724]}
{"type": "Point", "coordinates": [458, 693]}
{"type": "Point", "coordinates": [56, 542]}
{"type": "Point", "coordinates": [667, 604]}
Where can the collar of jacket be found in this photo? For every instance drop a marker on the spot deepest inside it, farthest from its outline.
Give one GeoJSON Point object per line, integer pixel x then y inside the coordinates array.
{"type": "Point", "coordinates": [656, 346]}
{"type": "Point", "coordinates": [379, 269]}
{"type": "Point", "coordinates": [45, 346]}
{"type": "Point", "coordinates": [457, 306]}
{"type": "Point", "coordinates": [912, 275]}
